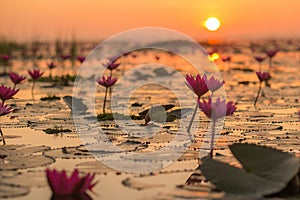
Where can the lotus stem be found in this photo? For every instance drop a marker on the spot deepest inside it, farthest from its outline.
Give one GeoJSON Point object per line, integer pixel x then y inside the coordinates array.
{"type": "Point", "coordinates": [32, 89]}
{"type": "Point", "coordinates": [110, 87]}
{"type": "Point", "coordinates": [192, 119]}
{"type": "Point", "coordinates": [104, 103]}
{"type": "Point", "coordinates": [212, 142]}
{"type": "Point", "coordinates": [3, 140]}
{"type": "Point", "coordinates": [258, 92]}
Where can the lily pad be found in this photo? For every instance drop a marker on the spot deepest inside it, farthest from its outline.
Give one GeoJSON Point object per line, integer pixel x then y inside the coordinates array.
{"type": "Point", "coordinates": [15, 162]}
{"type": "Point", "coordinates": [265, 170]}
{"type": "Point", "coordinates": [12, 190]}
{"type": "Point", "coordinates": [266, 162]}
{"type": "Point", "coordinates": [27, 179]}
{"type": "Point", "coordinates": [134, 184]}
{"type": "Point", "coordinates": [68, 153]}
{"type": "Point", "coordinates": [21, 149]}
{"type": "Point", "coordinates": [94, 166]}
{"type": "Point", "coordinates": [234, 180]}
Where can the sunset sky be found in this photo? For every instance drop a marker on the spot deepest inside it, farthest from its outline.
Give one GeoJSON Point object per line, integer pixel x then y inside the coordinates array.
{"type": "Point", "coordinates": [99, 19]}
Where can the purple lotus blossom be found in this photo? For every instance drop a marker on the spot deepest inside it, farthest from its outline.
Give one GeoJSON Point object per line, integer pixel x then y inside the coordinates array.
{"type": "Point", "coordinates": [65, 57]}
{"type": "Point", "coordinates": [16, 79]}
{"type": "Point", "coordinates": [80, 58]}
{"type": "Point", "coordinates": [263, 76]}
{"type": "Point", "coordinates": [61, 184]}
{"type": "Point", "coordinates": [5, 109]}
{"type": "Point", "coordinates": [213, 84]}
{"type": "Point", "coordinates": [5, 58]}
{"type": "Point", "coordinates": [214, 111]}
{"type": "Point", "coordinates": [271, 54]}
{"type": "Point", "coordinates": [218, 109]}
{"type": "Point", "coordinates": [51, 66]}
{"type": "Point", "coordinates": [107, 82]}
{"type": "Point", "coordinates": [7, 93]}
{"type": "Point", "coordinates": [197, 85]}
{"type": "Point", "coordinates": [259, 58]}
{"type": "Point", "coordinates": [35, 74]}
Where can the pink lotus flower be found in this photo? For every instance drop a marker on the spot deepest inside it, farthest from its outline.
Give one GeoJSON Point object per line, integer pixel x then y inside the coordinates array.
{"type": "Point", "coordinates": [5, 109]}
{"type": "Point", "coordinates": [60, 184]}
{"type": "Point", "coordinates": [81, 58]}
{"type": "Point", "coordinates": [271, 53]}
{"type": "Point", "coordinates": [35, 74]}
{"type": "Point", "coordinates": [16, 79]}
{"type": "Point", "coordinates": [259, 58]}
{"type": "Point", "coordinates": [112, 63]}
{"type": "Point", "coordinates": [113, 59]}
{"type": "Point", "coordinates": [65, 57]}
{"type": "Point", "coordinates": [263, 76]}
{"type": "Point", "coordinates": [111, 66]}
{"type": "Point", "coordinates": [51, 65]}
{"type": "Point", "coordinates": [5, 57]}
{"type": "Point", "coordinates": [197, 85]}
{"type": "Point", "coordinates": [217, 109]}
{"type": "Point", "coordinates": [107, 81]}
{"type": "Point", "coordinates": [7, 93]}
{"type": "Point", "coordinates": [213, 84]}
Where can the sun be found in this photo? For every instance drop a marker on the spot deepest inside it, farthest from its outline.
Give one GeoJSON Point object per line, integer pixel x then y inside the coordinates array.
{"type": "Point", "coordinates": [212, 24]}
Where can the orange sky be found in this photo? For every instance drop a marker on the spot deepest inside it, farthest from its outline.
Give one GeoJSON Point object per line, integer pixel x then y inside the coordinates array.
{"type": "Point", "coordinates": [98, 19]}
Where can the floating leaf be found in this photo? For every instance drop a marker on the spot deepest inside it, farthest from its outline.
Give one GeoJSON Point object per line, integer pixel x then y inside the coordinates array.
{"type": "Point", "coordinates": [68, 153]}
{"type": "Point", "coordinates": [94, 166]}
{"type": "Point", "coordinates": [75, 104]}
{"type": "Point", "coordinates": [134, 184]}
{"type": "Point", "coordinates": [266, 162]}
{"type": "Point", "coordinates": [234, 180]}
{"type": "Point", "coordinates": [11, 190]}
{"type": "Point", "coordinates": [15, 162]}
{"type": "Point", "coordinates": [27, 178]}
{"type": "Point", "coordinates": [266, 171]}
{"type": "Point", "coordinates": [22, 149]}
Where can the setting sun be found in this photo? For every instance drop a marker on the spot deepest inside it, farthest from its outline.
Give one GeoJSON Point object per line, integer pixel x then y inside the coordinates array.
{"type": "Point", "coordinates": [212, 24]}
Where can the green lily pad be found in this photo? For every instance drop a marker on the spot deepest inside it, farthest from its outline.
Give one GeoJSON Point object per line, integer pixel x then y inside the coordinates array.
{"type": "Point", "coordinates": [266, 162]}
{"type": "Point", "coordinates": [16, 162]}
{"type": "Point", "coordinates": [12, 190]}
{"type": "Point", "coordinates": [265, 170]}
{"type": "Point", "coordinates": [234, 180]}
